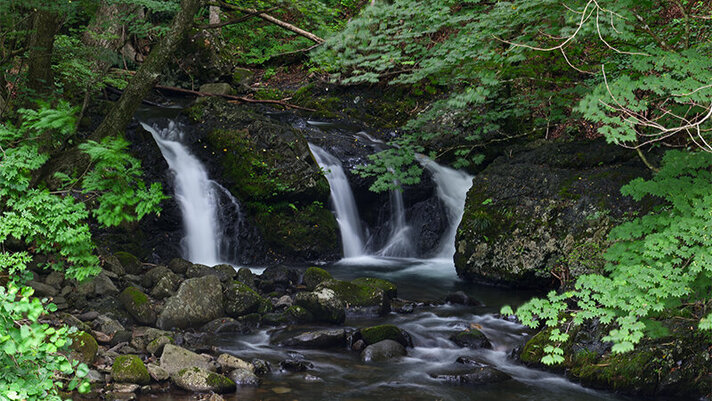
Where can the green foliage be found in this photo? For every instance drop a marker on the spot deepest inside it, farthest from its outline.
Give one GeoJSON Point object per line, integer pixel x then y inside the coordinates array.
{"type": "Point", "coordinates": [655, 262]}
{"type": "Point", "coordinates": [33, 353]}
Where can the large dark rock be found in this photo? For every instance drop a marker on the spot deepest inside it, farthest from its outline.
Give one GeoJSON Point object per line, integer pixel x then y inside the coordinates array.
{"type": "Point", "coordinates": [472, 338]}
{"type": "Point", "coordinates": [137, 304]}
{"type": "Point", "coordinates": [375, 334]}
{"type": "Point", "coordinates": [542, 212]}
{"type": "Point", "coordinates": [241, 300]}
{"type": "Point", "coordinates": [474, 377]}
{"type": "Point", "coordinates": [323, 304]}
{"type": "Point", "coordinates": [382, 351]}
{"type": "Point", "coordinates": [316, 339]}
{"type": "Point", "coordinates": [198, 301]}
{"type": "Point", "coordinates": [358, 297]}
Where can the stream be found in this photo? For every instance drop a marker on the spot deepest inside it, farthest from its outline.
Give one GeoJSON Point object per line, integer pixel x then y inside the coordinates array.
{"type": "Point", "coordinates": [339, 374]}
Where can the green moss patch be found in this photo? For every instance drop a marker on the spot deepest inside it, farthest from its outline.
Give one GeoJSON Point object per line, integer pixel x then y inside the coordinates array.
{"type": "Point", "coordinates": [130, 369]}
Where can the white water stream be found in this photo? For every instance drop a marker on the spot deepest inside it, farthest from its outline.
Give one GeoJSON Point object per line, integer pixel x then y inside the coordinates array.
{"type": "Point", "coordinates": [199, 199]}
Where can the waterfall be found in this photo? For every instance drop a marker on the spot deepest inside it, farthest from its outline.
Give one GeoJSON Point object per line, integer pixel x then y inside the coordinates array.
{"type": "Point", "coordinates": [343, 202]}
{"type": "Point", "coordinates": [204, 203]}
{"type": "Point", "coordinates": [399, 242]}
{"type": "Point", "coordinates": [452, 187]}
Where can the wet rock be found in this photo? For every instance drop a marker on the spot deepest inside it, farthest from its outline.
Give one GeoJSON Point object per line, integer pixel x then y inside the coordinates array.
{"type": "Point", "coordinates": [225, 272]}
{"type": "Point", "coordinates": [125, 387]}
{"type": "Point", "coordinates": [198, 301]}
{"type": "Point", "coordinates": [141, 337]}
{"type": "Point", "coordinates": [296, 365]}
{"type": "Point", "coordinates": [357, 297]}
{"type": "Point", "coordinates": [129, 262]}
{"type": "Point", "coordinates": [244, 378]}
{"type": "Point", "coordinates": [278, 277]}
{"type": "Point", "coordinates": [157, 373]}
{"type": "Point", "coordinates": [199, 379]}
{"type": "Point", "coordinates": [241, 300]}
{"type": "Point", "coordinates": [372, 335]}
{"type": "Point", "coordinates": [466, 360]}
{"type": "Point", "coordinates": [297, 315]}
{"type": "Point", "coordinates": [262, 367]}
{"type": "Point", "coordinates": [138, 305]}
{"type": "Point", "coordinates": [179, 266]}
{"type": "Point", "coordinates": [388, 288]}
{"type": "Point", "coordinates": [323, 304]}
{"type": "Point", "coordinates": [283, 302]}
{"type": "Point", "coordinates": [358, 345]}
{"type": "Point", "coordinates": [472, 338]}
{"type": "Point", "coordinates": [166, 286]}
{"type": "Point", "coordinates": [229, 362]}
{"type": "Point", "coordinates": [130, 369]}
{"type": "Point", "coordinates": [313, 276]}
{"type": "Point", "coordinates": [317, 339]}
{"type": "Point", "coordinates": [175, 358]}
{"type": "Point", "coordinates": [156, 346]}
{"type": "Point", "coordinates": [119, 396]}
{"type": "Point", "coordinates": [153, 276]}
{"type": "Point", "coordinates": [461, 298]}
{"type": "Point", "coordinates": [246, 276]}
{"type": "Point", "coordinates": [382, 351]}
{"type": "Point", "coordinates": [313, 379]}
{"type": "Point", "coordinates": [475, 377]}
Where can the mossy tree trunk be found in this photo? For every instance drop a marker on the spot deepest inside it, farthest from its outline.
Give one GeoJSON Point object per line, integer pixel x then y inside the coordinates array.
{"type": "Point", "coordinates": [45, 25]}
{"type": "Point", "coordinates": [145, 78]}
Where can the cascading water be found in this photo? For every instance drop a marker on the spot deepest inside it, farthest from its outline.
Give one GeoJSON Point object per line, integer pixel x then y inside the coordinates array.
{"type": "Point", "coordinates": [204, 203]}
{"type": "Point", "coordinates": [400, 243]}
{"type": "Point", "coordinates": [343, 201]}
{"type": "Point", "coordinates": [452, 187]}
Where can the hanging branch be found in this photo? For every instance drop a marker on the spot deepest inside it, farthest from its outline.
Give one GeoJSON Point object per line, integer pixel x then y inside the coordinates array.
{"type": "Point", "coordinates": [234, 99]}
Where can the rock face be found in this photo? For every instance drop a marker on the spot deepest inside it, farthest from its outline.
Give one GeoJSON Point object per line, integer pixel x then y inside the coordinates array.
{"type": "Point", "coordinates": [271, 171]}
{"type": "Point", "coordinates": [198, 379]}
{"type": "Point", "coordinates": [198, 301]}
{"type": "Point", "coordinates": [382, 351]}
{"type": "Point", "coordinates": [543, 211]}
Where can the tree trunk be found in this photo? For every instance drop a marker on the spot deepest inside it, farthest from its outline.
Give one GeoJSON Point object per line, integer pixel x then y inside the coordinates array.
{"type": "Point", "coordinates": [44, 27]}
{"type": "Point", "coordinates": [145, 78]}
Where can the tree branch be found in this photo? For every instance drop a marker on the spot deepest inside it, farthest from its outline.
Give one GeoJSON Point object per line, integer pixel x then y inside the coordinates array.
{"type": "Point", "coordinates": [234, 99]}
{"type": "Point", "coordinates": [273, 20]}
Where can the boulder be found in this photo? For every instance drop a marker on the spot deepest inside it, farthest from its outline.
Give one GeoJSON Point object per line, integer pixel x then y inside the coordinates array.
{"type": "Point", "coordinates": [461, 298]}
{"type": "Point", "coordinates": [475, 377]}
{"type": "Point", "coordinates": [129, 262]}
{"type": "Point", "coordinates": [313, 276]}
{"type": "Point", "coordinates": [472, 338]}
{"type": "Point", "coordinates": [225, 325]}
{"type": "Point", "coordinates": [245, 275]}
{"type": "Point", "coordinates": [295, 365]}
{"type": "Point", "coordinates": [166, 286]}
{"type": "Point", "coordinates": [179, 266]}
{"type": "Point", "coordinates": [156, 346]}
{"type": "Point", "coordinates": [372, 335]}
{"type": "Point", "coordinates": [241, 300]}
{"type": "Point", "coordinates": [323, 304]}
{"type": "Point", "coordinates": [107, 325]}
{"type": "Point", "coordinates": [157, 373]}
{"type": "Point", "coordinates": [130, 369]}
{"type": "Point", "coordinates": [278, 277]}
{"type": "Point", "coordinates": [358, 297]}
{"type": "Point", "coordinates": [175, 358]}
{"type": "Point", "coordinates": [225, 272]}
{"type": "Point", "coordinates": [84, 347]}
{"type": "Point", "coordinates": [137, 304]}
{"type": "Point", "coordinates": [198, 301]}
{"type": "Point", "coordinates": [42, 289]}
{"type": "Point", "coordinates": [217, 88]}
{"type": "Point", "coordinates": [151, 277]}
{"type": "Point", "coordinates": [103, 285]}
{"type": "Point", "coordinates": [389, 288]}
{"type": "Point", "coordinates": [244, 378]}
{"type": "Point", "coordinates": [199, 379]}
{"type": "Point", "coordinates": [316, 339]}
{"type": "Point", "coordinates": [229, 362]}
{"type": "Point", "coordinates": [382, 351]}
{"type": "Point", "coordinates": [262, 367]}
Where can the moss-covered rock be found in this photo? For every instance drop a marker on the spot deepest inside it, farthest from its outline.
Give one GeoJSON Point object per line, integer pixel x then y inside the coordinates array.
{"type": "Point", "coordinates": [472, 338]}
{"type": "Point", "coordinates": [297, 314]}
{"type": "Point", "coordinates": [357, 296]}
{"type": "Point", "coordinates": [372, 335]}
{"type": "Point", "coordinates": [137, 304]}
{"type": "Point", "coordinates": [130, 263]}
{"type": "Point", "coordinates": [314, 276]}
{"type": "Point", "coordinates": [241, 300]}
{"type": "Point", "coordinates": [156, 346]}
{"type": "Point", "coordinates": [198, 301]}
{"type": "Point", "coordinates": [323, 304]}
{"type": "Point", "coordinates": [84, 347]}
{"type": "Point", "coordinates": [389, 288]}
{"type": "Point", "coordinates": [130, 369]}
{"type": "Point", "coordinates": [199, 379]}
{"type": "Point", "coordinates": [542, 212]}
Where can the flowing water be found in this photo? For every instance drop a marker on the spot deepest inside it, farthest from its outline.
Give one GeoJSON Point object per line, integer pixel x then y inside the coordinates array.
{"type": "Point", "coordinates": [203, 202]}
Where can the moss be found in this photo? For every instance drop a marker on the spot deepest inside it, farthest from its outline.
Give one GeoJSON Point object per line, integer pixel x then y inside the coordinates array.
{"type": "Point", "coordinates": [388, 288]}
{"type": "Point", "coordinates": [354, 294]}
{"type": "Point", "coordinates": [130, 369]}
{"type": "Point", "coordinates": [533, 350]}
{"type": "Point", "coordinates": [219, 381]}
{"type": "Point", "coordinates": [136, 296]}
{"type": "Point", "coordinates": [271, 94]}
{"type": "Point", "coordinates": [130, 262]}
{"type": "Point", "coordinates": [297, 314]}
{"type": "Point", "coordinates": [372, 335]}
{"type": "Point", "coordinates": [84, 347]}
{"type": "Point", "coordinates": [314, 276]}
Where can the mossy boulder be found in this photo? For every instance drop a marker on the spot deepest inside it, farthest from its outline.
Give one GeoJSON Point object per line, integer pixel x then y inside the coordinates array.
{"type": "Point", "coordinates": [389, 288]}
{"type": "Point", "coordinates": [130, 369]}
{"type": "Point", "coordinates": [175, 358]}
{"type": "Point", "coordinates": [241, 300]}
{"type": "Point", "coordinates": [198, 301]}
{"type": "Point", "coordinates": [138, 305]}
{"type": "Point", "coordinates": [198, 379]}
{"type": "Point", "coordinates": [542, 209]}
{"type": "Point", "coordinates": [297, 314]}
{"type": "Point", "coordinates": [356, 296]}
{"type": "Point", "coordinates": [471, 338]}
{"type": "Point", "coordinates": [156, 346]}
{"type": "Point", "coordinates": [129, 262]}
{"type": "Point", "coordinates": [313, 276]}
{"type": "Point", "coordinates": [84, 347]}
{"type": "Point", "coordinates": [382, 351]}
{"type": "Point", "coordinates": [372, 335]}
{"type": "Point", "coordinates": [323, 304]}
